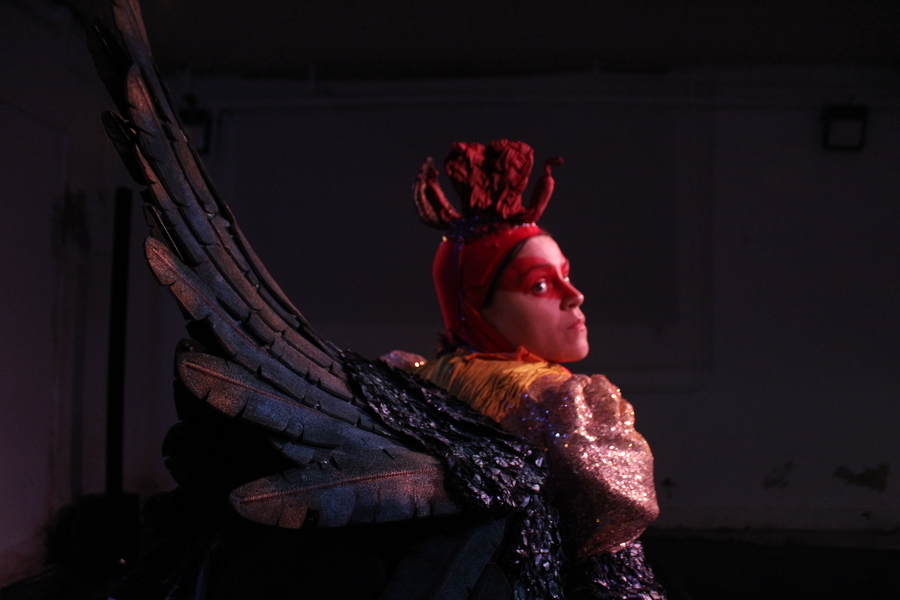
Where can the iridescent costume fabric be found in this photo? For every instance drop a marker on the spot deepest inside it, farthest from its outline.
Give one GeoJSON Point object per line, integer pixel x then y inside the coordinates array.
{"type": "Point", "coordinates": [600, 468]}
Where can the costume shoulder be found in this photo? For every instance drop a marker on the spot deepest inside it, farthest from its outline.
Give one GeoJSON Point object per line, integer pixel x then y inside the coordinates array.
{"type": "Point", "coordinates": [601, 468]}
{"type": "Point", "coordinates": [587, 430]}
{"type": "Point", "coordinates": [492, 383]}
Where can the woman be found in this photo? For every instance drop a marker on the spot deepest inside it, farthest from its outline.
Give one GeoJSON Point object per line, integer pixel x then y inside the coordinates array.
{"type": "Point", "coordinates": [306, 471]}
{"type": "Point", "coordinates": [512, 316]}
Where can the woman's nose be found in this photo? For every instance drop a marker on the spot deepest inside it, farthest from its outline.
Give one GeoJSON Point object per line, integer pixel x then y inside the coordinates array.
{"type": "Point", "coordinates": [572, 298]}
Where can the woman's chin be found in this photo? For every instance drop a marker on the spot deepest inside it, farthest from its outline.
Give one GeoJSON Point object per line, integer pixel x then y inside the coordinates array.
{"type": "Point", "coordinates": [576, 357]}
{"type": "Point", "coordinates": [579, 348]}
{"type": "Point", "coordinates": [574, 353]}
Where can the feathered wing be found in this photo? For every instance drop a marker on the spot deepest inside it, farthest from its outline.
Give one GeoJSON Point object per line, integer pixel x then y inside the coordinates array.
{"type": "Point", "coordinates": [261, 362]}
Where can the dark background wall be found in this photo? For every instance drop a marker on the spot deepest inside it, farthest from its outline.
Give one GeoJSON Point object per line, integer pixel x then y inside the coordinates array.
{"type": "Point", "coordinates": [739, 278]}
{"type": "Point", "coordinates": [741, 281]}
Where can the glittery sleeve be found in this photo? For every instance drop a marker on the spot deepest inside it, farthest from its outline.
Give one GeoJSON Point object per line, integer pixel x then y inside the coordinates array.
{"type": "Point", "coordinates": [601, 469]}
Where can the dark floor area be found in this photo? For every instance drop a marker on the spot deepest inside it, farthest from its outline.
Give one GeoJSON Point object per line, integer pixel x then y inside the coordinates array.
{"type": "Point", "coordinates": [803, 566]}
{"type": "Point", "coordinates": [692, 566]}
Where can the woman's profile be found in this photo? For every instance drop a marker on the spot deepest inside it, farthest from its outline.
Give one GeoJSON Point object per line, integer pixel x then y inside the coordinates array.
{"type": "Point", "coordinates": [305, 471]}
{"type": "Point", "coordinates": [512, 315]}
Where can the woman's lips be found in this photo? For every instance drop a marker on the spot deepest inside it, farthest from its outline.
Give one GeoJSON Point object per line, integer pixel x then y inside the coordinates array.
{"type": "Point", "coordinates": [578, 325]}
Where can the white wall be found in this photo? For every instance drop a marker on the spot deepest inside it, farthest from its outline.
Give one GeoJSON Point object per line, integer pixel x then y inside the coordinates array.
{"type": "Point", "coordinates": [779, 365]}
{"type": "Point", "coordinates": [806, 372]}
{"type": "Point", "coordinates": [741, 282]}
{"type": "Point", "coordinates": [54, 298]}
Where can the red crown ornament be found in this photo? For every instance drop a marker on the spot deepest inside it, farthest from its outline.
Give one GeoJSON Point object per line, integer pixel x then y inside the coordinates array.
{"type": "Point", "coordinates": [489, 181]}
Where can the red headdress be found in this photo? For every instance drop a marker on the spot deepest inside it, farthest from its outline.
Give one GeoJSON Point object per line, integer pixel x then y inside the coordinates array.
{"type": "Point", "coordinates": [490, 181]}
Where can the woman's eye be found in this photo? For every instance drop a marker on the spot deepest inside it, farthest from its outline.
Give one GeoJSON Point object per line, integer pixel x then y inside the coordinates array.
{"type": "Point", "coordinates": [539, 288]}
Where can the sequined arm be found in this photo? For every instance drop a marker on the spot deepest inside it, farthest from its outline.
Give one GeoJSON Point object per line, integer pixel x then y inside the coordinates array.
{"type": "Point", "coordinates": [601, 469]}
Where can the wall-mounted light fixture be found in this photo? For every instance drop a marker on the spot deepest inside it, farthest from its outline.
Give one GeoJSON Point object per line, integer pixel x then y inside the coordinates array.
{"type": "Point", "coordinates": [197, 124]}
{"type": "Point", "coordinates": [844, 127]}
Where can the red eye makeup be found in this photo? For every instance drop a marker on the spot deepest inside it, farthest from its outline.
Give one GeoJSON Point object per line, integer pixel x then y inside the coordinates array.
{"type": "Point", "coordinates": [534, 275]}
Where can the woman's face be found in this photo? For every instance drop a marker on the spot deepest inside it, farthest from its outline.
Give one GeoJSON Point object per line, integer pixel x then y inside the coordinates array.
{"type": "Point", "coordinates": [535, 306]}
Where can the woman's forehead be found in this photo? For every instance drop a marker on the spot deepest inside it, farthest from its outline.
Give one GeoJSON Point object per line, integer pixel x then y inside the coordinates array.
{"type": "Point", "coordinates": [542, 246]}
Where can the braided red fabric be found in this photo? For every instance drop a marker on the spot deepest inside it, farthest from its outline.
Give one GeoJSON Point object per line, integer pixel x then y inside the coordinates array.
{"type": "Point", "coordinates": [490, 180]}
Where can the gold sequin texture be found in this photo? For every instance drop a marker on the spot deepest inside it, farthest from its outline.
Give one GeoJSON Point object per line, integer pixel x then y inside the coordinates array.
{"type": "Point", "coordinates": [601, 468]}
